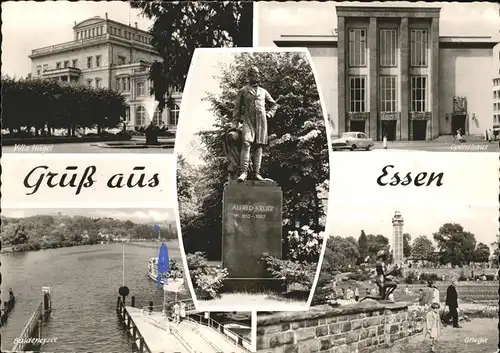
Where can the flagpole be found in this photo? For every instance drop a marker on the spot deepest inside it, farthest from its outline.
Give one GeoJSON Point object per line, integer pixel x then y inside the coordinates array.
{"type": "Point", "coordinates": [123, 264]}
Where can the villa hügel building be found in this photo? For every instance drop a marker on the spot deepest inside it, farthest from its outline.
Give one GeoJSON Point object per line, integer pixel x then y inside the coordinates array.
{"type": "Point", "coordinates": [108, 54]}
{"type": "Point", "coordinates": [387, 71]}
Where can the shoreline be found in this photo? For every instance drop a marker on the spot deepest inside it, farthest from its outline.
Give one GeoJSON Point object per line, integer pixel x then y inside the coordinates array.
{"type": "Point", "coordinates": [10, 250]}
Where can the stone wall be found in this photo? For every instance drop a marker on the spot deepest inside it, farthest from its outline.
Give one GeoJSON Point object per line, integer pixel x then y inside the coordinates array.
{"type": "Point", "coordinates": [357, 328]}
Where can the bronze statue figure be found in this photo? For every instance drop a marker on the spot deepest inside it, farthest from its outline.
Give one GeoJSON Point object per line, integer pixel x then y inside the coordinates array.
{"type": "Point", "coordinates": [250, 113]}
{"type": "Point", "coordinates": [231, 142]}
{"type": "Point", "coordinates": [385, 282]}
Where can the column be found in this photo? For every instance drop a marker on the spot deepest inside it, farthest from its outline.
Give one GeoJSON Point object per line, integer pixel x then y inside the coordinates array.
{"type": "Point", "coordinates": [341, 74]}
{"type": "Point", "coordinates": [373, 77]}
{"type": "Point", "coordinates": [434, 79]}
{"type": "Point", "coordinates": [404, 86]}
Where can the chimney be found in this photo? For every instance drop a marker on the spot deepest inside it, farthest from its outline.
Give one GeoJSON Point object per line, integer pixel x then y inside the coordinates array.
{"type": "Point", "coordinates": [106, 15]}
{"type": "Point", "coordinates": [74, 24]}
{"type": "Point", "coordinates": [135, 24]}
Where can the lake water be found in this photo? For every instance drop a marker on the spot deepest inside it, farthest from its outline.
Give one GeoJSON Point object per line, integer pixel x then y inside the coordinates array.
{"type": "Point", "coordinates": [84, 284]}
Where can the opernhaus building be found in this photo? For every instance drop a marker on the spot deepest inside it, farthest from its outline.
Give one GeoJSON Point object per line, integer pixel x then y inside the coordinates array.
{"type": "Point", "coordinates": [387, 71]}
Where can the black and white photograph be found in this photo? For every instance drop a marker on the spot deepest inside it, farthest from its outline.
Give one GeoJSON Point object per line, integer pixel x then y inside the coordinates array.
{"type": "Point", "coordinates": [398, 75]}
{"type": "Point", "coordinates": [399, 278]}
{"type": "Point", "coordinates": [104, 77]}
{"type": "Point", "coordinates": [106, 280]}
{"type": "Point", "coordinates": [252, 178]}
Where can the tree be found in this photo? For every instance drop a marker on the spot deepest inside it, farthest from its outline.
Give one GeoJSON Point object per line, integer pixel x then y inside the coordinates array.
{"type": "Point", "coordinates": [481, 253]}
{"type": "Point", "coordinates": [456, 246]}
{"type": "Point", "coordinates": [340, 253]}
{"type": "Point", "coordinates": [362, 246]}
{"type": "Point", "coordinates": [406, 245]}
{"type": "Point", "coordinates": [297, 155]}
{"type": "Point", "coordinates": [375, 243]}
{"type": "Point", "coordinates": [422, 248]}
{"type": "Point", "coordinates": [181, 27]}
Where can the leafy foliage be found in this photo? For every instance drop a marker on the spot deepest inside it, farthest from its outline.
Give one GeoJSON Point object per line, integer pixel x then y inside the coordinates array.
{"type": "Point", "coordinates": [182, 26]}
{"type": "Point", "coordinates": [422, 248]}
{"type": "Point", "coordinates": [292, 272]}
{"type": "Point", "coordinates": [207, 280]}
{"type": "Point", "coordinates": [297, 155]}
{"type": "Point", "coordinates": [175, 271]}
{"type": "Point", "coordinates": [47, 231]}
{"type": "Point", "coordinates": [456, 246]}
{"type": "Point", "coordinates": [406, 245]}
{"type": "Point", "coordinates": [481, 253]}
{"type": "Point", "coordinates": [304, 244]}
{"type": "Point", "coordinates": [58, 105]}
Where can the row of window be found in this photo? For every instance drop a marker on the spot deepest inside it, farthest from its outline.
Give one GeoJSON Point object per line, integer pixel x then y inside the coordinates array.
{"type": "Point", "coordinates": [90, 61]}
{"type": "Point", "coordinates": [496, 119]}
{"type": "Point", "coordinates": [496, 106]}
{"type": "Point", "coordinates": [496, 82]}
{"type": "Point", "coordinates": [98, 82]}
{"type": "Point", "coordinates": [123, 85]}
{"type": "Point", "coordinates": [98, 31]}
{"type": "Point", "coordinates": [496, 94]}
{"type": "Point", "coordinates": [387, 94]}
{"type": "Point", "coordinates": [388, 48]}
{"type": "Point", "coordinates": [74, 63]}
{"type": "Point", "coordinates": [140, 116]}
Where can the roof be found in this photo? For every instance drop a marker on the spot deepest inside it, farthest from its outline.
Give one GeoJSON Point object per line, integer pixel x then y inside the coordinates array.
{"type": "Point", "coordinates": [316, 40]}
{"type": "Point", "coordinates": [97, 19]}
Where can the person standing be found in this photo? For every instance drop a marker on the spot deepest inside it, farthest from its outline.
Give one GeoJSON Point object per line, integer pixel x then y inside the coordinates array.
{"type": "Point", "coordinates": [356, 294]}
{"type": "Point", "coordinates": [177, 313]}
{"type": "Point", "coordinates": [384, 141]}
{"type": "Point", "coordinates": [433, 325]}
{"type": "Point", "coordinates": [452, 303]}
{"type": "Point", "coordinates": [250, 110]}
{"type": "Point", "coordinates": [182, 311]}
{"type": "Point", "coordinates": [433, 294]}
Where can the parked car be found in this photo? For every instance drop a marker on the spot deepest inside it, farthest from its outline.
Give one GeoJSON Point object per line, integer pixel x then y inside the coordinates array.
{"type": "Point", "coordinates": [353, 140]}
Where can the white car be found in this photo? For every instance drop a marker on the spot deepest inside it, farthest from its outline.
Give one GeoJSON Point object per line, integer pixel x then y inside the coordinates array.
{"type": "Point", "coordinates": [353, 140]}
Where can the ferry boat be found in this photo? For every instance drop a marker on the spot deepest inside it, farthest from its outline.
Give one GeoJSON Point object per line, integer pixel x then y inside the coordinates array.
{"type": "Point", "coordinates": [174, 284]}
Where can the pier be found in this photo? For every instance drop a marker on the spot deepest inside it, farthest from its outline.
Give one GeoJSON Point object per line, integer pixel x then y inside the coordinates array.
{"type": "Point", "coordinates": [34, 326]}
{"type": "Point", "coordinates": [153, 332]}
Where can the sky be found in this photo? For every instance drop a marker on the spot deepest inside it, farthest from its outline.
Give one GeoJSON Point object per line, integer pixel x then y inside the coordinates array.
{"type": "Point", "coordinates": [319, 18]}
{"type": "Point", "coordinates": [202, 78]}
{"type": "Point", "coordinates": [418, 220]}
{"type": "Point", "coordinates": [153, 215]}
{"type": "Point", "coordinates": [28, 25]}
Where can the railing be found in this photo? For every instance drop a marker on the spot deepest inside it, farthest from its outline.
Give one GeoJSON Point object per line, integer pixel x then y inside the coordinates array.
{"type": "Point", "coordinates": [181, 339]}
{"type": "Point", "coordinates": [28, 330]}
{"type": "Point", "coordinates": [217, 349]}
{"type": "Point", "coordinates": [130, 325]}
{"type": "Point", "coordinates": [189, 306]}
{"type": "Point", "coordinates": [217, 326]}
{"type": "Point", "coordinates": [66, 45]}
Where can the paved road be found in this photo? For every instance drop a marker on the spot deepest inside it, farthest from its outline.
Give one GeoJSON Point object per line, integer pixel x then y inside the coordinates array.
{"type": "Point", "coordinates": [436, 146]}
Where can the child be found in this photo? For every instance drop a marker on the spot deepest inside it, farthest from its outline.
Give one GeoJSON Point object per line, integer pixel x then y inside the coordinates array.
{"type": "Point", "coordinates": [183, 311]}
{"type": "Point", "coordinates": [433, 325]}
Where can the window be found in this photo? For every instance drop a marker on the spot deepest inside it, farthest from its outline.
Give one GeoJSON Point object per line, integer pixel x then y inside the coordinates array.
{"type": "Point", "coordinates": [101, 29]}
{"type": "Point", "coordinates": [89, 82]}
{"type": "Point", "coordinates": [418, 47]}
{"type": "Point", "coordinates": [93, 32]}
{"type": "Point", "coordinates": [140, 89]}
{"type": "Point", "coordinates": [357, 94]}
{"type": "Point", "coordinates": [157, 117]}
{"type": "Point", "coordinates": [38, 70]}
{"type": "Point", "coordinates": [66, 63]}
{"type": "Point", "coordinates": [45, 67]}
{"type": "Point", "coordinates": [118, 84]}
{"type": "Point", "coordinates": [58, 65]}
{"type": "Point", "coordinates": [128, 84]}
{"type": "Point", "coordinates": [124, 83]}
{"type": "Point", "coordinates": [98, 82]}
{"type": "Point", "coordinates": [174, 115]}
{"type": "Point", "coordinates": [121, 60]}
{"type": "Point", "coordinates": [357, 47]}
{"type": "Point", "coordinates": [89, 62]}
{"type": "Point", "coordinates": [97, 61]}
{"type": "Point", "coordinates": [127, 114]}
{"type": "Point", "coordinates": [388, 94]}
{"type": "Point", "coordinates": [418, 93]}
{"type": "Point", "coordinates": [140, 115]}
{"type": "Point", "coordinates": [388, 47]}
{"type": "Point", "coordinates": [75, 63]}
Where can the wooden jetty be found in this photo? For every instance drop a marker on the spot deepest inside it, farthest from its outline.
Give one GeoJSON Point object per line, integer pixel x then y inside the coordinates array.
{"type": "Point", "coordinates": [153, 332]}
{"type": "Point", "coordinates": [34, 326]}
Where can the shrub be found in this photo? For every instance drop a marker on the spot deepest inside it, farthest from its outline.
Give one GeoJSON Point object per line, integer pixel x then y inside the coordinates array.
{"type": "Point", "coordinates": [206, 280]}
{"type": "Point", "coordinates": [359, 276]}
{"type": "Point", "coordinates": [304, 244]}
{"type": "Point", "coordinates": [430, 277]}
{"type": "Point", "coordinates": [292, 272]}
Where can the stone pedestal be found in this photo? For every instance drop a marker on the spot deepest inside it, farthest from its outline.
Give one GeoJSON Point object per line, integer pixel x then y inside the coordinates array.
{"type": "Point", "coordinates": [251, 226]}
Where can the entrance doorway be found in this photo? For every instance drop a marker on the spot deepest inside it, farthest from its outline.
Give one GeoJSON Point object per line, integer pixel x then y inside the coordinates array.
{"type": "Point", "coordinates": [458, 122]}
{"type": "Point", "coordinates": [358, 125]}
{"type": "Point", "coordinates": [419, 130]}
{"type": "Point", "coordinates": [389, 129]}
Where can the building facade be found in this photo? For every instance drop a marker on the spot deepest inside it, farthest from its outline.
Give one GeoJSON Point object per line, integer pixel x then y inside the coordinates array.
{"type": "Point", "coordinates": [388, 72]}
{"type": "Point", "coordinates": [397, 229]}
{"type": "Point", "coordinates": [108, 54]}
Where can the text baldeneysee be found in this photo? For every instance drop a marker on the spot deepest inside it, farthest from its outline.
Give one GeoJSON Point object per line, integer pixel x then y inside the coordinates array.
{"type": "Point", "coordinates": [391, 178]}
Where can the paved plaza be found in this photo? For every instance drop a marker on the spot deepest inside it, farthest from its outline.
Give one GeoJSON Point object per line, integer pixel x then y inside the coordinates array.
{"type": "Point", "coordinates": [434, 146]}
